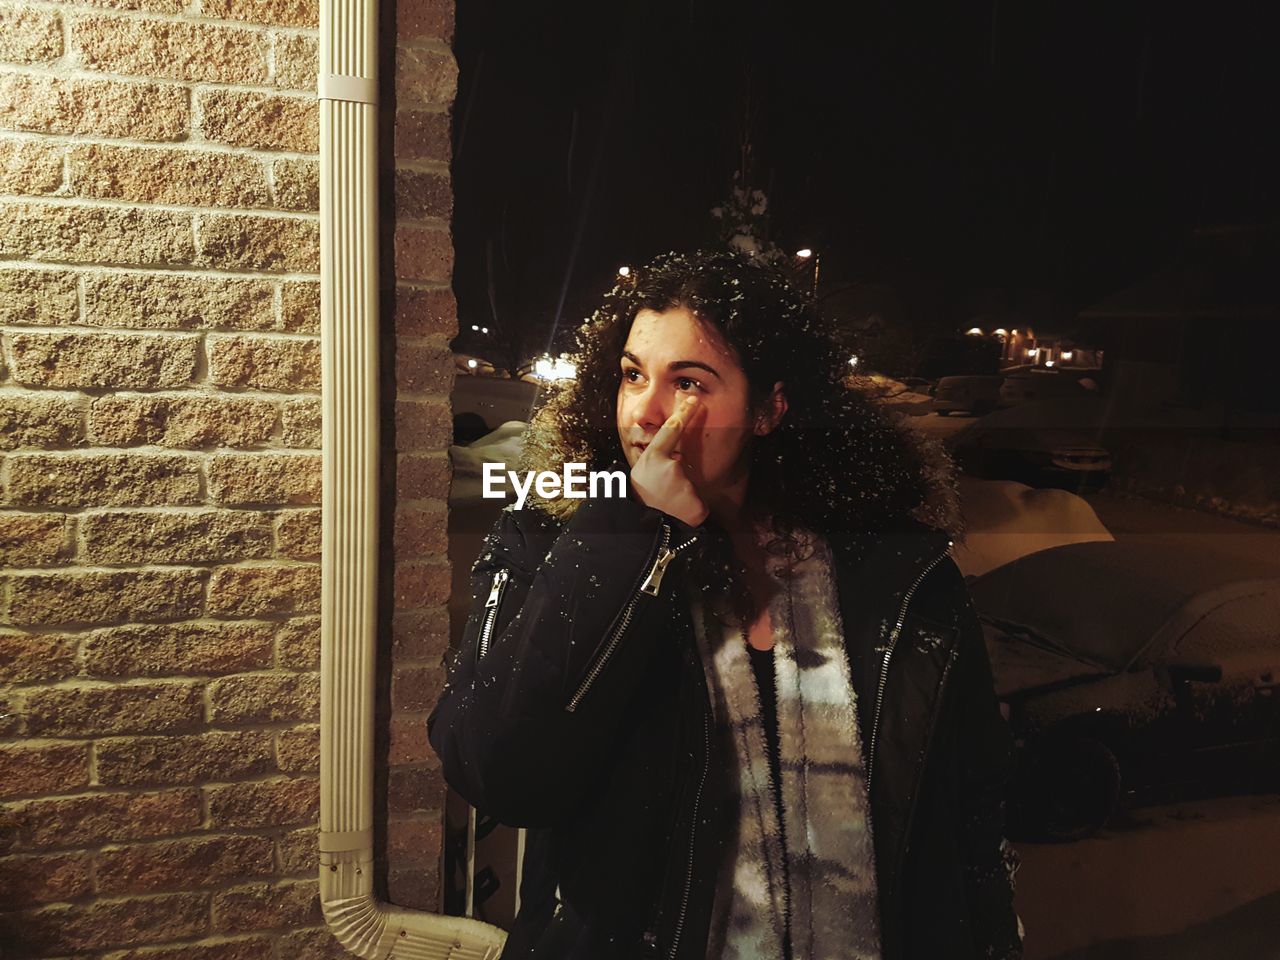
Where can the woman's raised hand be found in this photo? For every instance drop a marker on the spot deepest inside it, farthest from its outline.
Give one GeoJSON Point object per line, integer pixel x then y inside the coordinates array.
{"type": "Point", "coordinates": [659, 477]}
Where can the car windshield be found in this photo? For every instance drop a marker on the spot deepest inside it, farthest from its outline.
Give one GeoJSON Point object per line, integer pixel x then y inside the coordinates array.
{"type": "Point", "coordinates": [1100, 602]}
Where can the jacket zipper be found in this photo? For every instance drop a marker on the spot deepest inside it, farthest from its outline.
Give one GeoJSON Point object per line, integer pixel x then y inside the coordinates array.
{"type": "Point", "coordinates": [649, 584]}
{"type": "Point", "coordinates": [888, 655]}
{"type": "Point", "coordinates": [693, 833]}
{"type": "Point", "coordinates": [491, 612]}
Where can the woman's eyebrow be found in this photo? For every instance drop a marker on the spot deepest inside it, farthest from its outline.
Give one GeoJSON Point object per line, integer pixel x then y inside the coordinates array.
{"type": "Point", "coordinates": [676, 365]}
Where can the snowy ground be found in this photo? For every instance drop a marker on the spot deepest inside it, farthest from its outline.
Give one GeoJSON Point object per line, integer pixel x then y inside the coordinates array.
{"type": "Point", "coordinates": [1192, 881]}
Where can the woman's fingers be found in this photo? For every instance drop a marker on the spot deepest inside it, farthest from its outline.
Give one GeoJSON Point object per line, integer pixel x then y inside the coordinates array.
{"type": "Point", "coordinates": [668, 436]}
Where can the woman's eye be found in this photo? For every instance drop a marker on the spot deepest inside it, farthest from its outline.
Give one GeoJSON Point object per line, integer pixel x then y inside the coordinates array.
{"type": "Point", "coordinates": [688, 383]}
{"type": "Point", "coordinates": [630, 374]}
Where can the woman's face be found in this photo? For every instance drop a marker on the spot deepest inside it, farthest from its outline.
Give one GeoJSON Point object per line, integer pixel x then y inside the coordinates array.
{"type": "Point", "coordinates": [671, 354]}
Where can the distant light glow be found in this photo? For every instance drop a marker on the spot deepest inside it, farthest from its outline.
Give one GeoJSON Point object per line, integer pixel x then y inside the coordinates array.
{"type": "Point", "coordinates": [974, 332]}
{"type": "Point", "coordinates": [624, 271]}
{"type": "Point", "coordinates": [548, 368]}
{"type": "Point", "coordinates": [472, 364]}
{"type": "Point", "coordinates": [853, 361]}
{"type": "Point", "coordinates": [804, 253]}
{"type": "Point", "coordinates": [475, 326]}
{"type": "Point", "coordinates": [1048, 363]}
{"type": "Point", "coordinates": [1000, 332]}
{"type": "Point", "coordinates": [484, 329]}
{"type": "Point", "coordinates": [1067, 354]}
{"type": "Point", "coordinates": [1033, 351]}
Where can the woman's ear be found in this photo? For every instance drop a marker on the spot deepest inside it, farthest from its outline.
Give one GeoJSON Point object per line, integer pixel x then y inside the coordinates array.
{"type": "Point", "coordinates": [775, 405]}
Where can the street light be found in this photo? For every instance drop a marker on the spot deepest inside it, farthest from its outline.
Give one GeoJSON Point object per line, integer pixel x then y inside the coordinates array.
{"type": "Point", "coordinates": [624, 271]}
{"type": "Point", "coordinates": [804, 253]}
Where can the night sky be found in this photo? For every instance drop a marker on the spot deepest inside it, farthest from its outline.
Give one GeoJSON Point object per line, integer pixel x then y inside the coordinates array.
{"type": "Point", "coordinates": [959, 158]}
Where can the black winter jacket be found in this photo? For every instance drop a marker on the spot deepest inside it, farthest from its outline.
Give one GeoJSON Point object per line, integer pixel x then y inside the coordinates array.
{"type": "Point", "coordinates": [576, 706]}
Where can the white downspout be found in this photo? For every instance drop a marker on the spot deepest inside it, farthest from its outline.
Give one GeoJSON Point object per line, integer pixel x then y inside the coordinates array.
{"type": "Point", "coordinates": [349, 563]}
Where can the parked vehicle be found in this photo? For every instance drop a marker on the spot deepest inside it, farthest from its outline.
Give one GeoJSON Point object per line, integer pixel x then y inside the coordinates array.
{"type": "Point", "coordinates": [1130, 670]}
{"type": "Point", "coordinates": [1039, 383]}
{"type": "Point", "coordinates": [967, 394]}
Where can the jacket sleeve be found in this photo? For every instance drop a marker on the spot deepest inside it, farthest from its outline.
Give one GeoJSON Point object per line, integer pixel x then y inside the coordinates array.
{"type": "Point", "coordinates": [989, 862]}
{"type": "Point", "coordinates": [522, 723]}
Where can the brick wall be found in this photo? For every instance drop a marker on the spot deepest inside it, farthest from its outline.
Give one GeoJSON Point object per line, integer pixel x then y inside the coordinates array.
{"type": "Point", "coordinates": [160, 473]}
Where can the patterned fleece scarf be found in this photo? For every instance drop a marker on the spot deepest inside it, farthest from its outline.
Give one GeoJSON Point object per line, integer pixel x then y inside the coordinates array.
{"type": "Point", "coordinates": [826, 890]}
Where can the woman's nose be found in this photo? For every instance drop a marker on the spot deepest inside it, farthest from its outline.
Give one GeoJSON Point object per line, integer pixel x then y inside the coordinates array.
{"type": "Point", "coordinates": [652, 408]}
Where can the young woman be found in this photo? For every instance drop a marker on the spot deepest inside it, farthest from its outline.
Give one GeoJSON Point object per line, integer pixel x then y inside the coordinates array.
{"type": "Point", "coordinates": [746, 708]}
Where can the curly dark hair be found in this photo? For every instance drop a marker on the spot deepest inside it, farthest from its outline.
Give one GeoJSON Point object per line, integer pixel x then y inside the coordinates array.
{"type": "Point", "coordinates": [836, 463]}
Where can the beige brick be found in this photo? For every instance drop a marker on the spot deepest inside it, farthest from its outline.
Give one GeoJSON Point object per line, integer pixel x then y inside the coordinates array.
{"type": "Point", "coordinates": [421, 477]}
{"type": "Point", "coordinates": [36, 421]}
{"type": "Point", "coordinates": [30, 36]}
{"type": "Point", "coordinates": [114, 235]}
{"type": "Point", "coordinates": [301, 421]}
{"type": "Point", "coordinates": [112, 480]}
{"type": "Point", "coordinates": [424, 368]}
{"type": "Point", "coordinates": [190, 422]}
{"type": "Point", "coordinates": [282, 13]}
{"type": "Point", "coordinates": [105, 108]}
{"type": "Point", "coordinates": [413, 841]}
{"type": "Point", "coordinates": [298, 644]}
{"type": "Point", "coordinates": [424, 254]}
{"type": "Point", "coordinates": [423, 195]}
{"type": "Point", "coordinates": [34, 657]}
{"type": "Point", "coordinates": [35, 539]}
{"type": "Point", "coordinates": [411, 789]}
{"type": "Point", "coordinates": [245, 242]}
{"type": "Point", "coordinates": [245, 478]}
{"type": "Point", "coordinates": [44, 879]}
{"type": "Point", "coordinates": [183, 864]}
{"type": "Point", "coordinates": [178, 648]}
{"type": "Point", "coordinates": [155, 6]}
{"type": "Point", "coordinates": [298, 852]}
{"type": "Point", "coordinates": [183, 303]}
{"type": "Point", "coordinates": [198, 536]}
{"type": "Point", "coordinates": [298, 534]}
{"type": "Point", "coordinates": [239, 948]}
{"type": "Point", "coordinates": [264, 698]}
{"type": "Point", "coordinates": [38, 296]}
{"type": "Point", "coordinates": [424, 313]}
{"type": "Point", "coordinates": [58, 768]}
{"type": "Point", "coordinates": [220, 755]}
{"type": "Point", "coordinates": [105, 818]}
{"type": "Point", "coordinates": [261, 120]}
{"type": "Point", "coordinates": [29, 167]}
{"type": "Point", "coordinates": [264, 363]}
{"type": "Point", "coordinates": [151, 175]}
{"type": "Point", "coordinates": [423, 134]}
{"type": "Point", "coordinates": [174, 49]}
{"type": "Point", "coordinates": [259, 905]}
{"type": "Point", "coordinates": [298, 750]}
{"type": "Point", "coordinates": [297, 184]}
{"type": "Point", "coordinates": [67, 598]}
{"type": "Point", "coordinates": [277, 803]}
{"type": "Point", "coordinates": [104, 709]}
{"type": "Point", "coordinates": [300, 306]}
{"type": "Point", "coordinates": [424, 75]}
{"type": "Point", "coordinates": [120, 361]}
{"type": "Point", "coordinates": [262, 591]}
{"type": "Point", "coordinates": [297, 61]}
{"type": "Point", "coordinates": [99, 925]}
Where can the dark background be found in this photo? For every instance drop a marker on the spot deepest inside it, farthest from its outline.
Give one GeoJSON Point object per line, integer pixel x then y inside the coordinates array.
{"type": "Point", "coordinates": [949, 160]}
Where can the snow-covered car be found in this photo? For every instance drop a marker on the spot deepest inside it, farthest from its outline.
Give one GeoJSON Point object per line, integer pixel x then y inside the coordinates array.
{"type": "Point", "coordinates": [1130, 670]}
{"type": "Point", "coordinates": [977, 394]}
{"type": "Point", "coordinates": [1044, 443]}
{"type": "Point", "coordinates": [1039, 383]}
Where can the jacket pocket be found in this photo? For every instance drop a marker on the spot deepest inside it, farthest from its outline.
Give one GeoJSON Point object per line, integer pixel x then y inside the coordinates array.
{"type": "Point", "coordinates": [492, 606]}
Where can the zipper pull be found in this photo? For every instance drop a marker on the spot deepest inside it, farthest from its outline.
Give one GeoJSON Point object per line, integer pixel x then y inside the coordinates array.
{"type": "Point", "coordinates": [499, 579]}
{"type": "Point", "coordinates": [653, 582]}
